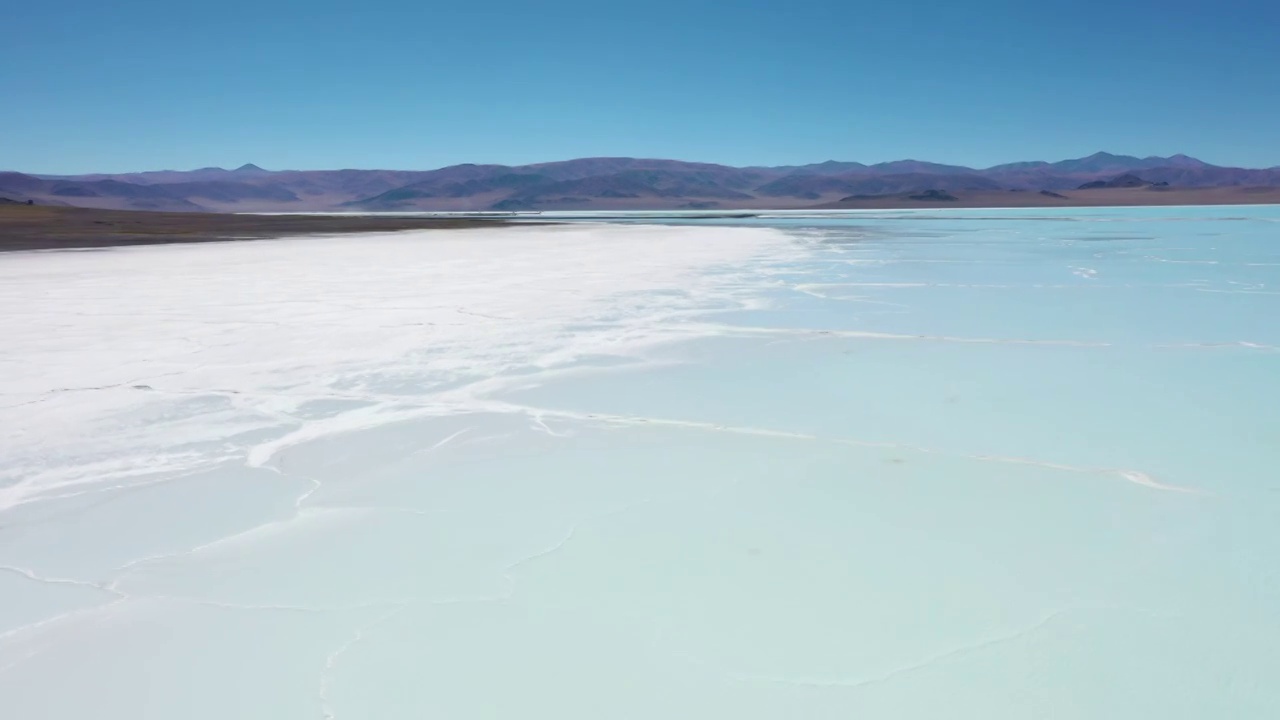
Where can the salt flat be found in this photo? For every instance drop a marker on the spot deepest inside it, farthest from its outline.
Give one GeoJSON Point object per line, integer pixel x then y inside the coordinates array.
{"type": "Point", "coordinates": [237, 339]}
{"type": "Point", "coordinates": [996, 464]}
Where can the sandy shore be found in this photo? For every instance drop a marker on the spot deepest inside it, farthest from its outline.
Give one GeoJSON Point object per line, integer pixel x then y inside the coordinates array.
{"type": "Point", "coordinates": [26, 227]}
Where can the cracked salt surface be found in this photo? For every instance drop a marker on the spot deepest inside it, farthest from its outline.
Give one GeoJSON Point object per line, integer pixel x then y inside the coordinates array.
{"type": "Point", "coordinates": [872, 467]}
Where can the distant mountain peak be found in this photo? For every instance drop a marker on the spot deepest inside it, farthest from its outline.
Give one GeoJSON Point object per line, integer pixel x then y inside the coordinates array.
{"type": "Point", "coordinates": [1104, 156]}
{"type": "Point", "coordinates": [1186, 161]}
{"type": "Point", "coordinates": [248, 168]}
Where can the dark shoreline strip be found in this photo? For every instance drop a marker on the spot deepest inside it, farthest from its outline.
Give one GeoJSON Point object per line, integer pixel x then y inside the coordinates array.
{"type": "Point", "coordinates": [25, 228]}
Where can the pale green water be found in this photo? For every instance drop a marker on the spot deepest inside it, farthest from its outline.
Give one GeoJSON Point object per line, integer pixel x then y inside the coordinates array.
{"type": "Point", "coordinates": [978, 464]}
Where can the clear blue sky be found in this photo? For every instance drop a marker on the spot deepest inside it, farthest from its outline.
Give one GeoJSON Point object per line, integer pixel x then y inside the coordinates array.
{"type": "Point", "coordinates": [130, 85]}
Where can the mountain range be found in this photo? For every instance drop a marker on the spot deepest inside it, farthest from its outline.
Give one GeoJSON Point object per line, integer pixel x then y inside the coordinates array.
{"type": "Point", "coordinates": [599, 183]}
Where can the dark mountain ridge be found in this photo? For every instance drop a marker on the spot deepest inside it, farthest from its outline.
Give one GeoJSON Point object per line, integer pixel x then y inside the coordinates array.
{"type": "Point", "coordinates": [598, 183]}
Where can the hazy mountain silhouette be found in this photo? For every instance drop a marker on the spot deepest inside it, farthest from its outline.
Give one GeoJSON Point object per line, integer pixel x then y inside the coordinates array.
{"type": "Point", "coordinates": [599, 183]}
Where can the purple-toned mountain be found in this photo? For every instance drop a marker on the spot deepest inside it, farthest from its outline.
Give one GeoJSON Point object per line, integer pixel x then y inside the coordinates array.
{"type": "Point", "coordinates": [815, 187]}
{"type": "Point", "coordinates": [830, 167]}
{"type": "Point", "coordinates": [597, 183]}
{"type": "Point", "coordinates": [104, 193]}
{"type": "Point", "coordinates": [1101, 163]}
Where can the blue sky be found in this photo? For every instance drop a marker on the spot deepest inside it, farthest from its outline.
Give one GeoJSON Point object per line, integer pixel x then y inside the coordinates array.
{"type": "Point", "coordinates": [129, 85]}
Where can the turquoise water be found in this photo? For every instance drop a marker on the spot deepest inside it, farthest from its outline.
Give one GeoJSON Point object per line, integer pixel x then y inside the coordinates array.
{"type": "Point", "coordinates": [1004, 379]}
{"type": "Point", "coordinates": [965, 464]}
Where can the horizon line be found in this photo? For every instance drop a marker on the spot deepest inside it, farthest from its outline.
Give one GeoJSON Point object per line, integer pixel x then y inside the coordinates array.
{"type": "Point", "coordinates": [253, 167]}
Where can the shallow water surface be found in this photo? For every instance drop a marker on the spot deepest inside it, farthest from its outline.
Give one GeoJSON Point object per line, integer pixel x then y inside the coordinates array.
{"type": "Point", "coordinates": [967, 464]}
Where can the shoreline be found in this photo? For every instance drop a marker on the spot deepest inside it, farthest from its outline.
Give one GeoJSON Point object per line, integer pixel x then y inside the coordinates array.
{"type": "Point", "coordinates": [51, 228]}
{"type": "Point", "coordinates": [44, 227]}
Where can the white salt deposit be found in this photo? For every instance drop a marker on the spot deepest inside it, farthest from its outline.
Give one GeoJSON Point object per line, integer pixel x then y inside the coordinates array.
{"type": "Point", "coordinates": [121, 365]}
